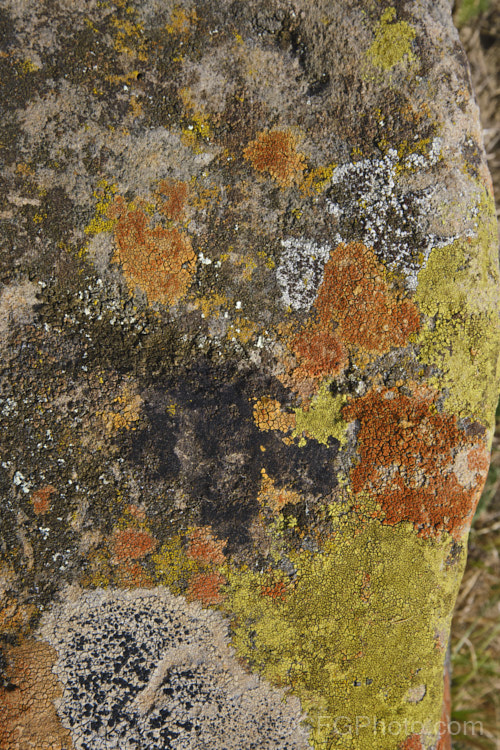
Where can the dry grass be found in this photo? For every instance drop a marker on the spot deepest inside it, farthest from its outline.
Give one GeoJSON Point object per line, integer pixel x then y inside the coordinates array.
{"type": "Point", "coordinates": [475, 644]}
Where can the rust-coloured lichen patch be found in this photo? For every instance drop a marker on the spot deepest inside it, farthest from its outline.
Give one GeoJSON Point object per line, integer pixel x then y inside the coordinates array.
{"type": "Point", "coordinates": [319, 352]}
{"type": "Point", "coordinates": [413, 742]}
{"type": "Point", "coordinates": [131, 575]}
{"type": "Point", "coordinates": [275, 152]}
{"type": "Point", "coordinates": [28, 717]}
{"type": "Point", "coordinates": [172, 196]}
{"type": "Point", "coordinates": [205, 548]}
{"type": "Point", "coordinates": [132, 544]}
{"type": "Point", "coordinates": [206, 588]}
{"type": "Point", "coordinates": [408, 461]}
{"type": "Point", "coordinates": [355, 295]}
{"type": "Point", "coordinates": [158, 260]}
{"type": "Point", "coordinates": [41, 499]}
{"type": "Point", "coordinates": [276, 590]}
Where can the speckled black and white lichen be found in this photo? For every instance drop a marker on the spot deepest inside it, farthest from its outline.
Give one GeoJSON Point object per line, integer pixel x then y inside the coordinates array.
{"type": "Point", "coordinates": [145, 670]}
{"type": "Point", "coordinates": [371, 205]}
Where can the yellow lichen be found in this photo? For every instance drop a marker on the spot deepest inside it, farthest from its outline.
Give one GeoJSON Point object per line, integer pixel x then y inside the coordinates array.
{"type": "Point", "coordinates": [458, 290]}
{"type": "Point", "coordinates": [392, 41]}
{"type": "Point", "coordinates": [323, 417]}
{"type": "Point", "coordinates": [356, 630]}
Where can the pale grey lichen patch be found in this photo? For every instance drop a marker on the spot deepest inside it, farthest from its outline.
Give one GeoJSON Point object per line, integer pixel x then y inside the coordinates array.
{"type": "Point", "coordinates": [300, 271]}
{"type": "Point", "coordinates": [145, 669]}
{"type": "Point", "coordinates": [17, 302]}
{"type": "Point", "coordinates": [372, 204]}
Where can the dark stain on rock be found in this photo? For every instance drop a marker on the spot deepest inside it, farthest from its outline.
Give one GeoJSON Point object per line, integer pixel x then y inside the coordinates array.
{"type": "Point", "coordinates": [201, 435]}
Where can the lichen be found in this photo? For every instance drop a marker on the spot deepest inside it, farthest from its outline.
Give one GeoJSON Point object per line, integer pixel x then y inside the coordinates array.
{"type": "Point", "coordinates": [458, 291]}
{"type": "Point", "coordinates": [408, 461]}
{"type": "Point", "coordinates": [275, 152]}
{"type": "Point", "coordinates": [372, 591]}
{"type": "Point", "coordinates": [158, 260]}
{"type": "Point", "coordinates": [322, 419]}
{"type": "Point", "coordinates": [392, 41]}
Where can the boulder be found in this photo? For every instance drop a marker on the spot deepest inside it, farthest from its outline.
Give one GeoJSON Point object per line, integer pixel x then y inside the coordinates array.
{"type": "Point", "coordinates": [249, 320]}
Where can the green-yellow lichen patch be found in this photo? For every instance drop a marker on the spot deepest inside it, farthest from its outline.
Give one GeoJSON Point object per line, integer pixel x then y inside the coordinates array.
{"type": "Point", "coordinates": [458, 290]}
{"type": "Point", "coordinates": [323, 417]}
{"type": "Point", "coordinates": [392, 41]}
{"type": "Point", "coordinates": [357, 629]}
{"type": "Point", "coordinates": [101, 222]}
{"type": "Point", "coordinates": [173, 567]}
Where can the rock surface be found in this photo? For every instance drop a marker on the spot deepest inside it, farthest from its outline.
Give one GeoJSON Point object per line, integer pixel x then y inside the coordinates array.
{"type": "Point", "coordinates": [249, 322]}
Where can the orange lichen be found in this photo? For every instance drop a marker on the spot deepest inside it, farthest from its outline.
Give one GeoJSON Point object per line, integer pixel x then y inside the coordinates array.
{"type": "Point", "coordinates": [159, 261]}
{"type": "Point", "coordinates": [205, 548]}
{"type": "Point", "coordinates": [267, 415]}
{"type": "Point", "coordinates": [131, 544]}
{"type": "Point", "coordinates": [274, 497]}
{"type": "Point", "coordinates": [41, 499]}
{"type": "Point", "coordinates": [172, 198]}
{"type": "Point", "coordinates": [407, 461]}
{"type": "Point", "coordinates": [28, 717]}
{"type": "Point", "coordinates": [319, 352]}
{"type": "Point", "coordinates": [131, 575]}
{"type": "Point", "coordinates": [355, 296]}
{"type": "Point", "coordinates": [125, 412]}
{"type": "Point", "coordinates": [276, 590]}
{"type": "Point", "coordinates": [478, 460]}
{"type": "Point", "coordinates": [206, 588]}
{"type": "Point", "coordinates": [275, 152]}
{"type": "Point", "coordinates": [413, 742]}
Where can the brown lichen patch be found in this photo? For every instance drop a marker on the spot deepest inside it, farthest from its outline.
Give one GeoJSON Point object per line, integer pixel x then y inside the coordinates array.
{"type": "Point", "coordinates": [172, 198]}
{"type": "Point", "coordinates": [205, 548]}
{"type": "Point", "coordinates": [355, 295]}
{"type": "Point", "coordinates": [158, 260]}
{"type": "Point", "coordinates": [131, 544]}
{"type": "Point", "coordinates": [28, 717]}
{"type": "Point", "coordinates": [274, 497]}
{"type": "Point", "coordinates": [407, 461]}
{"type": "Point", "coordinates": [41, 499]}
{"type": "Point", "coordinates": [206, 588]}
{"type": "Point", "coordinates": [275, 152]}
{"type": "Point", "coordinates": [268, 415]}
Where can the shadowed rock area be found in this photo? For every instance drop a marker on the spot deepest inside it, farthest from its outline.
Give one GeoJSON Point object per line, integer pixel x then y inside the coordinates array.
{"type": "Point", "coordinates": [250, 338]}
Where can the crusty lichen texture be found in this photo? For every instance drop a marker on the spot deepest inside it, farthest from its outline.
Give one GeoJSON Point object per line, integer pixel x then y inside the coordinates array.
{"type": "Point", "coordinates": [249, 322]}
{"type": "Point", "coordinates": [329, 634]}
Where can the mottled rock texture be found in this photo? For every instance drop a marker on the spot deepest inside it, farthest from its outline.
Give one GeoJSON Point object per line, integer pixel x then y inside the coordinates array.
{"type": "Point", "coordinates": [249, 324]}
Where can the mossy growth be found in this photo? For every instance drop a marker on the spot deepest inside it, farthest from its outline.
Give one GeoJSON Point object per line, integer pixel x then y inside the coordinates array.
{"type": "Point", "coordinates": [360, 631]}
{"type": "Point", "coordinates": [458, 290]}
{"type": "Point", "coordinates": [323, 419]}
{"type": "Point", "coordinates": [392, 41]}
